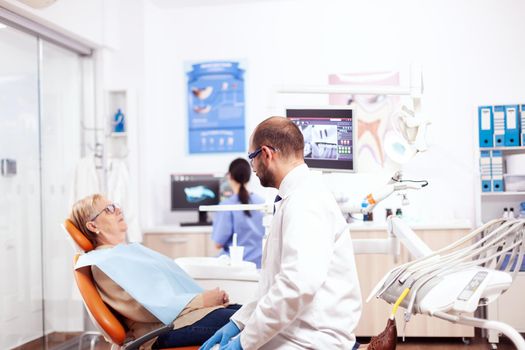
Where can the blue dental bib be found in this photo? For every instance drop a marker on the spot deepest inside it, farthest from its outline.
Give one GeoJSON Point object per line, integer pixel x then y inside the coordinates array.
{"type": "Point", "coordinates": [153, 280]}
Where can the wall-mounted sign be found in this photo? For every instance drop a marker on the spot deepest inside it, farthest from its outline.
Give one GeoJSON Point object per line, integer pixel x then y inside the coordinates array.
{"type": "Point", "coordinates": [216, 118]}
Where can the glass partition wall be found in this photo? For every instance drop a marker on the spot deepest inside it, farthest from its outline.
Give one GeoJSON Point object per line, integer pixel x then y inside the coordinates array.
{"type": "Point", "coordinates": [21, 311]}
{"type": "Point", "coordinates": [42, 100]}
{"type": "Point", "coordinates": [60, 148]}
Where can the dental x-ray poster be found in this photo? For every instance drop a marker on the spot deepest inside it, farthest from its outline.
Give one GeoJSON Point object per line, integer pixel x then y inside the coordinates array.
{"type": "Point", "coordinates": [216, 118]}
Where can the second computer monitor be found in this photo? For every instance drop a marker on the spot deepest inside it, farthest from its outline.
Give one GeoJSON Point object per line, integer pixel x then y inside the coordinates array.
{"type": "Point", "coordinates": [329, 137]}
{"type": "Point", "coordinates": [188, 192]}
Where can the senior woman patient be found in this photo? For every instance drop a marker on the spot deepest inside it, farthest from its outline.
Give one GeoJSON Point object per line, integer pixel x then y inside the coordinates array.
{"type": "Point", "coordinates": [146, 288]}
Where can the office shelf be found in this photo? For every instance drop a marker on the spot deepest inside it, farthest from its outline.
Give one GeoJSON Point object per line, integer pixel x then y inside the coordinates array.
{"type": "Point", "coordinates": [117, 141]}
{"type": "Point", "coordinates": [507, 308]}
{"type": "Point", "coordinates": [491, 204]}
{"type": "Point", "coordinates": [496, 194]}
{"type": "Point", "coordinates": [503, 149]}
{"type": "Point", "coordinates": [118, 134]}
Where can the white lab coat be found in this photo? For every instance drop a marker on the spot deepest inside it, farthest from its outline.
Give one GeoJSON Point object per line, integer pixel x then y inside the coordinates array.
{"type": "Point", "coordinates": [308, 293]}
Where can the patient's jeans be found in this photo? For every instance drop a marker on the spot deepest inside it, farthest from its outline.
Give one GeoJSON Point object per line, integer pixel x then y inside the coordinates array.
{"type": "Point", "coordinates": [199, 332]}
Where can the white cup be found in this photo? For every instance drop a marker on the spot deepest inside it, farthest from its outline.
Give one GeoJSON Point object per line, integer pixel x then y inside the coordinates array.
{"type": "Point", "coordinates": [236, 255]}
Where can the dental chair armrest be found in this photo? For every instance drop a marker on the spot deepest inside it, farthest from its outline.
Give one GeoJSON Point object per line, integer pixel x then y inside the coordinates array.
{"type": "Point", "coordinates": [135, 344]}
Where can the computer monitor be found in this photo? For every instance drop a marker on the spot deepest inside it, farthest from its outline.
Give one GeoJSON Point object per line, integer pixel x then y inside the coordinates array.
{"type": "Point", "coordinates": [329, 137]}
{"type": "Point", "coordinates": [189, 191]}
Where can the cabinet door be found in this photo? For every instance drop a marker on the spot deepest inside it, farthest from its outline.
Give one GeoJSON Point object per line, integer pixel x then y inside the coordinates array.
{"type": "Point", "coordinates": [176, 245]}
{"type": "Point", "coordinates": [371, 268]}
{"type": "Point", "coordinates": [510, 306]}
{"type": "Point", "coordinates": [211, 249]}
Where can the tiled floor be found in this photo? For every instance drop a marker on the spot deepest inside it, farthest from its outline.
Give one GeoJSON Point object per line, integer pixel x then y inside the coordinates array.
{"type": "Point", "coordinates": [454, 344]}
{"type": "Point", "coordinates": [58, 341]}
{"type": "Point", "coordinates": [450, 344]}
{"type": "Point", "coordinates": [410, 344]}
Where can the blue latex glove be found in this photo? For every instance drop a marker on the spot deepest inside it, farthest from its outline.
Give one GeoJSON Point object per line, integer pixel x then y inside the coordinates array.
{"type": "Point", "coordinates": [222, 336]}
{"type": "Point", "coordinates": [235, 344]}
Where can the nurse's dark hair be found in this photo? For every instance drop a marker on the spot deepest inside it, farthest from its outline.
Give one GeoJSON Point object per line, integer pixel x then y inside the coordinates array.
{"type": "Point", "coordinates": [280, 133]}
{"type": "Point", "coordinates": [240, 171]}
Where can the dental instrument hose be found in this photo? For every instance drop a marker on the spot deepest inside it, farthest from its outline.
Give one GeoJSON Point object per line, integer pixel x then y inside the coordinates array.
{"type": "Point", "coordinates": [398, 301]}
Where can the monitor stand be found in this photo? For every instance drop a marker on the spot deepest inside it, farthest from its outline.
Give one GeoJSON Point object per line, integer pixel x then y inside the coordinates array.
{"type": "Point", "coordinates": [203, 220]}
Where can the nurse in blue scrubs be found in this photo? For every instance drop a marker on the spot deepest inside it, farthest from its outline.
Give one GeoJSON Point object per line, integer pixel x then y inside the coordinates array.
{"type": "Point", "coordinates": [246, 224]}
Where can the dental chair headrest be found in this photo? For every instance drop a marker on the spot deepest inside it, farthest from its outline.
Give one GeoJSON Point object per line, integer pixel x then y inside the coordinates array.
{"type": "Point", "coordinates": [77, 236]}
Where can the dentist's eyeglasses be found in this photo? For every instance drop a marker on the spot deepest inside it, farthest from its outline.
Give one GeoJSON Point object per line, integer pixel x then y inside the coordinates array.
{"type": "Point", "coordinates": [254, 154]}
{"type": "Point", "coordinates": [109, 209]}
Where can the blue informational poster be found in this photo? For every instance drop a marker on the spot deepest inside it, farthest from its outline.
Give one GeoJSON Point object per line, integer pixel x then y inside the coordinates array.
{"type": "Point", "coordinates": [216, 119]}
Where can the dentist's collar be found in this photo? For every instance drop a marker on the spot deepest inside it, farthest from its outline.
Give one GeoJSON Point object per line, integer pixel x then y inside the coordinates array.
{"type": "Point", "coordinates": [290, 181]}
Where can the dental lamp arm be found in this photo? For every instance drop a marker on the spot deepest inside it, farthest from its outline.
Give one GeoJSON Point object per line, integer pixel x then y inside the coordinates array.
{"type": "Point", "coordinates": [397, 232]}
{"type": "Point", "coordinates": [415, 245]}
{"type": "Point", "coordinates": [372, 199]}
{"type": "Point", "coordinates": [413, 127]}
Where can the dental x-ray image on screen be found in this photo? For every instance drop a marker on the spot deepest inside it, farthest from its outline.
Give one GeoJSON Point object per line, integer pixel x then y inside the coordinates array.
{"type": "Point", "coordinates": [329, 137]}
{"type": "Point", "coordinates": [320, 141]}
{"type": "Point", "coordinates": [188, 192]}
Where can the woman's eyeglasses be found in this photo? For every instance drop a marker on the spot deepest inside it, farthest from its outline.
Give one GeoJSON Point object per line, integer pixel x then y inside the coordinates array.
{"type": "Point", "coordinates": [110, 209]}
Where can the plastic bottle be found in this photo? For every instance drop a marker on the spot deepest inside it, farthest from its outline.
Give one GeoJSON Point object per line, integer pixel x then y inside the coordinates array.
{"type": "Point", "coordinates": [505, 213]}
{"type": "Point", "coordinates": [399, 213]}
{"type": "Point", "coordinates": [365, 215]}
{"type": "Point", "coordinates": [118, 123]}
{"type": "Point", "coordinates": [388, 212]}
{"type": "Point", "coordinates": [511, 213]}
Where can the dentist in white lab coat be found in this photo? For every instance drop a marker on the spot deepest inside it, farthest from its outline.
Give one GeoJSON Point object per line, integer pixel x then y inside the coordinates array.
{"type": "Point", "coordinates": [308, 295]}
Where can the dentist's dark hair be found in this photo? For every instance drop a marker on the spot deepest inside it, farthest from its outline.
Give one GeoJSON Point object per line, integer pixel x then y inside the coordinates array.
{"type": "Point", "coordinates": [240, 171]}
{"type": "Point", "coordinates": [282, 134]}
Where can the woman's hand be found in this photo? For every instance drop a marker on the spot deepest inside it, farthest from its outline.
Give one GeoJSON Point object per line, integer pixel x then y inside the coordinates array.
{"type": "Point", "coordinates": [215, 297]}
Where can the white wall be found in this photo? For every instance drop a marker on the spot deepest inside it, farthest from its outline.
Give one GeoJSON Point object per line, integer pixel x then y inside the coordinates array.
{"type": "Point", "coordinates": [470, 53]}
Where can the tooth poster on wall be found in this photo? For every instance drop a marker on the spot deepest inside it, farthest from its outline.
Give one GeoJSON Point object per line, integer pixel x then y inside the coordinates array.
{"type": "Point", "coordinates": [374, 114]}
{"type": "Point", "coordinates": [216, 118]}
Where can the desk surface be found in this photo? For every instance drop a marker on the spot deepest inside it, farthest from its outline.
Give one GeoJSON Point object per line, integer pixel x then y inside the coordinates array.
{"type": "Point", "coordinates": [422, 225]}
{"type": "Point", "coordinates": [356, 226]}
{"type": "Point", "coordinates": [177, 229]}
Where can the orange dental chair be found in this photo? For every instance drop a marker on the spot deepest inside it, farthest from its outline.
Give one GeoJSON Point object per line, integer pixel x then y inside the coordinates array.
{"type": "Point", "coordinates": [101, 315]}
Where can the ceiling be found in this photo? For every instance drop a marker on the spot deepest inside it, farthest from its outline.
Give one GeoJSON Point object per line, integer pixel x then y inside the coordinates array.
{"type": "Point", "coordinates": [196, 3]}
